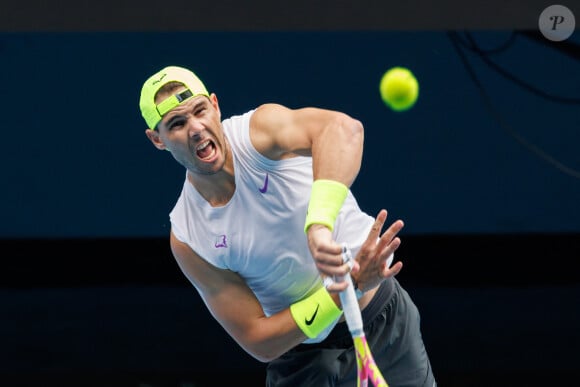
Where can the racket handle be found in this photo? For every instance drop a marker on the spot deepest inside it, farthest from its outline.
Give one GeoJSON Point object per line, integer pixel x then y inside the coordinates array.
{"type": "Point", "coordinates": [349, 301]}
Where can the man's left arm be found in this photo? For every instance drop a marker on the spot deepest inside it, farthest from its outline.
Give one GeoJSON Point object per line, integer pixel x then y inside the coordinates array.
{"type": "Point", "coordinates": [334, 140]}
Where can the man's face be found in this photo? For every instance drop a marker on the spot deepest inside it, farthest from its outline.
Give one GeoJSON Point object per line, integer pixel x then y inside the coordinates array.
{"type": "Point", "coordinates": [192, 132]}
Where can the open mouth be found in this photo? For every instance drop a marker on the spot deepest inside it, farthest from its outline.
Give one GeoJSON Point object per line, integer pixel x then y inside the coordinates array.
{"type": "Point", "coordinates": [206, 150]}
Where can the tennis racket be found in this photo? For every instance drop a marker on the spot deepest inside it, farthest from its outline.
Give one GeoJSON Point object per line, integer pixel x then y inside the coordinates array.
{"type": "Point", "coordinates": [365, 363]}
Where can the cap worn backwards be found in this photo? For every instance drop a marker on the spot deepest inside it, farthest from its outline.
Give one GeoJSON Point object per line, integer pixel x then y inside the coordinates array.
{"type": "Point", "coordinates": [152, 112]}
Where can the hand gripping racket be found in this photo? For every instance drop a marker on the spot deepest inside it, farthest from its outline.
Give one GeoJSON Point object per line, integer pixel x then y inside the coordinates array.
{"type": "Point", "coordinates": [366, 366]}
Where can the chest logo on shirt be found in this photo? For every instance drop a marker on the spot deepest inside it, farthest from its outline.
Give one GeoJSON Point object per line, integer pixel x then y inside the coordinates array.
{"type": "Point", "coordinates": [220, 241]}
{"type": "Point", "coordinates": [265, 187]}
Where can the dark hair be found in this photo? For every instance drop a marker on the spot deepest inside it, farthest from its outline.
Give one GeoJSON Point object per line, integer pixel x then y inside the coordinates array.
{"type": "Point", "coordinates": [168, 88]}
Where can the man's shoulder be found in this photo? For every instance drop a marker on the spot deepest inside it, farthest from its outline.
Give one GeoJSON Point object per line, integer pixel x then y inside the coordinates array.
{"type": "Point", "coordinates": [270, 115]}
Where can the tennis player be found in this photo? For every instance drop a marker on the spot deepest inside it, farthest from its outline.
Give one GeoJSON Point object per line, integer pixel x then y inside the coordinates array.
{"type": "Point", "coordinates": [258, 228]}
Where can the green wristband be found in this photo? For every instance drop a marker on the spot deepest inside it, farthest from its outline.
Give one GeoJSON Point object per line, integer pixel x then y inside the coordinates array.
{"type": "Point", "coordinates": [326, 200]}
{"type": "Point", "coordinates": [314, 313]}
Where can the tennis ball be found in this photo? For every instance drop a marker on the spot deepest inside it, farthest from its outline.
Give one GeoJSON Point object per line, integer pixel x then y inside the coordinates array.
{"type": "Point", "coordinates": [399, 88]}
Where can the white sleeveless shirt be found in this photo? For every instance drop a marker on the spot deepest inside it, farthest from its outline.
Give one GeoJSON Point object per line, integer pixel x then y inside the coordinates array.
{"type": "Point", "coordinates": [259, 233]}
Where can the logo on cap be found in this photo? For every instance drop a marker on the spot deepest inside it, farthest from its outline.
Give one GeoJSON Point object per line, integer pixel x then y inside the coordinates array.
{"type": "Point", "coordinates": [160, 79]}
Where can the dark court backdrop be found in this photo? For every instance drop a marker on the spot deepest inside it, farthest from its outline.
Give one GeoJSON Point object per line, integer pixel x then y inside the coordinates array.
{"type": "Point", "coordinates": [484, 170]}
{"type": "Point", "coordinates": [77, 162]}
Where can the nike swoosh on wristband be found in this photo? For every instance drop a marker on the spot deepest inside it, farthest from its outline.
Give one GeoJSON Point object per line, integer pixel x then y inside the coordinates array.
{"type": "Point", "coordinates": [265, 187]}
{"type": "Point", "coordinates": [309, 322]}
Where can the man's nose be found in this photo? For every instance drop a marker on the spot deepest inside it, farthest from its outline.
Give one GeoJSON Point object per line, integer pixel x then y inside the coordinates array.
{"type": "Point", "coordinates": [195, 129]}
{"type": "Point", "coordinates": [196, 136]}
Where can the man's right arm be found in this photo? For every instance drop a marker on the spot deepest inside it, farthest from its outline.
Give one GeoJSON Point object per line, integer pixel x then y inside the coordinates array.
{"type": "Point", "coordinates": [233, 304]}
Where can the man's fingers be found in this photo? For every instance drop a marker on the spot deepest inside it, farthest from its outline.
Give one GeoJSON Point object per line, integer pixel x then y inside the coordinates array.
{"type": "Point", "coordinates": [393, 270]}
{"type": "Point", "coordinates": [378, 225]}
{"type": "Point", "coordinates": [386, 249]}
{"type": "Point", "coordinates": [394, 229]}
{"type": "Point", "coordinates": [328, 255]}
{"type": "Point", "coordinates": [328, 259]}
{"type": "Point", "coordinates": [390, 236]}
{"type": "Point", "coordinates": [335, 271]}
{"type": "Point", "coordinates": [337, 287]}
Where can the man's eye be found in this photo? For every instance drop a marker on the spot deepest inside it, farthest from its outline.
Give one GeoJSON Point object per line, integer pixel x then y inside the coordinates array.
{"type": "Point", "coordinates": [177, 124]}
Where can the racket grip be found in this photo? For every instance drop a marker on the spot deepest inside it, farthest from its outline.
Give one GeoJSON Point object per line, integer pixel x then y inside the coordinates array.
{"type": "Point", "coordinates": [349, 301]}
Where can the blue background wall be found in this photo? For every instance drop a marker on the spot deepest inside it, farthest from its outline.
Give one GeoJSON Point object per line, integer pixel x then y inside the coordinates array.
{"type": "Point", "coordinates": [76, 162]}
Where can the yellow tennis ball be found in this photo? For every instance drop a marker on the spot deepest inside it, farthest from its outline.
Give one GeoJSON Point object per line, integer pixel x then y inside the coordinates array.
{"type": "Point", "coordinates": [399, 88]}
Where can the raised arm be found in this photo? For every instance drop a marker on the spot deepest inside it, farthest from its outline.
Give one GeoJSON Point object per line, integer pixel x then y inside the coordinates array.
{"type": "Point", "coordinates": [334, 140]}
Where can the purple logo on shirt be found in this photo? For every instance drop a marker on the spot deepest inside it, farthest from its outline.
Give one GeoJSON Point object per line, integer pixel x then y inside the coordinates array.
{"type": "Point", "coordinates": [220, 241]}
{"type": "Point", "coordinates": [265, 187]}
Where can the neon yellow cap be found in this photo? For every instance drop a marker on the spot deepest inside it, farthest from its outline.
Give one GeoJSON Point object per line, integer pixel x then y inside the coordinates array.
{"type": "Point", "coordinates": [151, 112]}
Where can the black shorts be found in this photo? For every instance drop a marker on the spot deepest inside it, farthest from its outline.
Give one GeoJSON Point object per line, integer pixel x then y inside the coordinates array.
{"type": "Point", "coordinates": [392, 329]}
